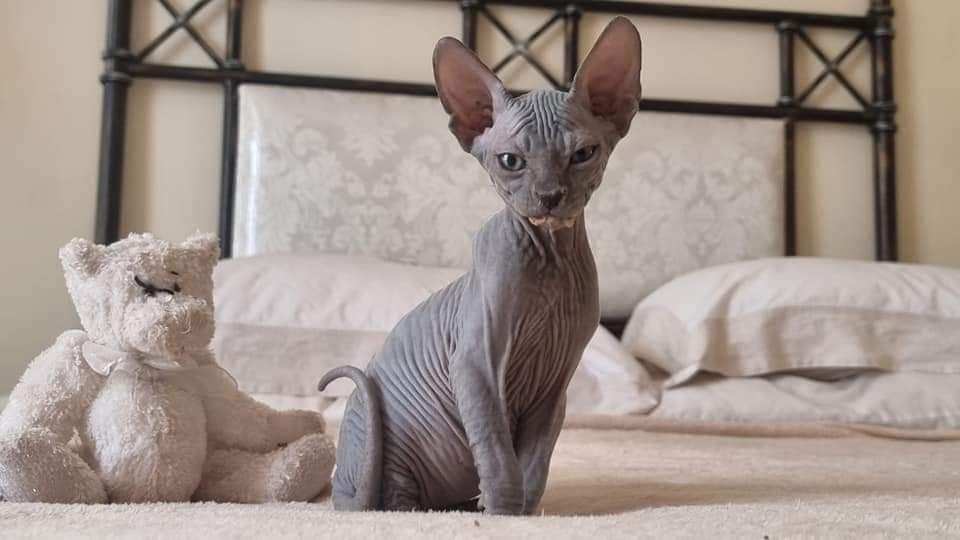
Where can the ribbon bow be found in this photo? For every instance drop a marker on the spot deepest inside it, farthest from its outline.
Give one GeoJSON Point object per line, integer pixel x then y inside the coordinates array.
{"type": "Point", "coordinates": [206, 380]}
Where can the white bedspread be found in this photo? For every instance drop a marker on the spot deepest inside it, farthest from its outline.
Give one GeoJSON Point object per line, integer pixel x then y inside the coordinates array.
{"type": "Point", "coordinates": [611, 484]}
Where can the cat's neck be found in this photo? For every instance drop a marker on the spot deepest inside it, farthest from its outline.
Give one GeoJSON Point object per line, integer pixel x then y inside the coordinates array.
{"type": "Point", "coordinates": [550, 244]}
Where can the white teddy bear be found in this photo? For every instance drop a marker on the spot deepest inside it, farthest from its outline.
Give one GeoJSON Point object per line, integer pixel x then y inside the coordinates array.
{"type": "Point", "coordinates": [135, 409]}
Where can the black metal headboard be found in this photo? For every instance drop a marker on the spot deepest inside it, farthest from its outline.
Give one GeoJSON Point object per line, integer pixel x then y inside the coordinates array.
{"type": "Point", "coordinates": [876, 112]}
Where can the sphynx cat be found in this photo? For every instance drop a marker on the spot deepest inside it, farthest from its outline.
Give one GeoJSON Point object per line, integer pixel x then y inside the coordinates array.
{"type": "Point", "coordinates": [467, 396]}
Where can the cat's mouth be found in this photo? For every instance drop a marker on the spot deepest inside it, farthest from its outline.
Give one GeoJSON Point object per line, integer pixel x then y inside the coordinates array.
{"type": "Point", "coordinates": [553, 223]}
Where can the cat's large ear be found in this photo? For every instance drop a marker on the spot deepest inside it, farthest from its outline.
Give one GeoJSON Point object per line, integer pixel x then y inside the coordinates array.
{"type": "Point", "coordinates": [608, 81]}
{"type": "Point", "coordinates": [470, 93]}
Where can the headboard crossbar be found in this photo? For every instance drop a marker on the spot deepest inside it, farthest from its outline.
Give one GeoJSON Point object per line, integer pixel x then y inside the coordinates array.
{"type": "Point", "coordinates": [876, 111]}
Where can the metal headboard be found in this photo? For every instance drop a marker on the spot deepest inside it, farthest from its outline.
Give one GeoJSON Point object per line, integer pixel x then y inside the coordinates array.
{"type": "Point", "coordinates": [122, 66]}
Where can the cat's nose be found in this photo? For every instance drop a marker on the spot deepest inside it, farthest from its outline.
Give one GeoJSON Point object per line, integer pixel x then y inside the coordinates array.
{"type": "Point", "coordinates": [551, 199]}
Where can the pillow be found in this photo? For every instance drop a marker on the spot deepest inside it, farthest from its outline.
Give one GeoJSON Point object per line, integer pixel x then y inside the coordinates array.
{"type": "Point", "coordinates": [800, 314]}
{"type": "Point", "coordinates": [903, 400]}
{"type": "Point", "coordinates": [285, 320]}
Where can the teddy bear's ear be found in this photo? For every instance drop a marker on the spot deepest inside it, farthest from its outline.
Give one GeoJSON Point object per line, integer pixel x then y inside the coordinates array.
{"type": "Point", "coordinates": [205, 245]}
{"type": "Point", "coordinates": [81, 257]}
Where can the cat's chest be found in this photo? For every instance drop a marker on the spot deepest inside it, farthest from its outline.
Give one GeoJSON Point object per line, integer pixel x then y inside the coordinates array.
{"type": "Point", "coordinates": [550, 332]}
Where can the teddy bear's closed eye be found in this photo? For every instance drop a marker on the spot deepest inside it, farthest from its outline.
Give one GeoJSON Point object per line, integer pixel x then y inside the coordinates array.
{"type": "Point", "coordinates": [152, 290]}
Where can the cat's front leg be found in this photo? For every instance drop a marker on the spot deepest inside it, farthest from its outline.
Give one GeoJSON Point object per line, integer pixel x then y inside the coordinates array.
{"type": "Point", "coordinates": [536, 436]}
{"type": "Point", "coordinates": [484, 418]}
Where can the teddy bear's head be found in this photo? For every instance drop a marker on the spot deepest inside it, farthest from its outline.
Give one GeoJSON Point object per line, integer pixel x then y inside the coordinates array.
{"type": "Point", "coordinates": [143, 294]}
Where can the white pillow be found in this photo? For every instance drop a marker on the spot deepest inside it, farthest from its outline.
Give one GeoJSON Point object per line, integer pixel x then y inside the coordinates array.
{"type": "Point", "coordinates": [899, 400]}
{"type": "Point", "coordinates": [285, 320]}
{"type": "Point", "coordinates": [790, 314]}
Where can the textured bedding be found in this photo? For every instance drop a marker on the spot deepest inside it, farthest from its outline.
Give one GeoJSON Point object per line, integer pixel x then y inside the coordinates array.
{"type": "Point", "coordinates": [612, 484]}
{"type": "Point", "coordinates": [285, 320]}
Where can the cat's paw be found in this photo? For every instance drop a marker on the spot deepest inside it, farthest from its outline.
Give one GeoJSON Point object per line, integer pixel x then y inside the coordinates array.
{"type": "Point", "coordinates": [500, 502]}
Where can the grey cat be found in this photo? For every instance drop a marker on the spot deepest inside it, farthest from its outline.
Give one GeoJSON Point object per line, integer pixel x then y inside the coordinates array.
{"type": "Point", "coordinates": [467, 396]}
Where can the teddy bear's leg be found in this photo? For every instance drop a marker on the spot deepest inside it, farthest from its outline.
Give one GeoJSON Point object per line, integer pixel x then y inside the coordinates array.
{"type": "Point", "coordinates": [37, 463]}
{"type": "Point", "coordinates": [35, 467]}
{"type": "Point", "coordinates": [298, 472]}
{"type": "Point", "coordinates": [233, 476]}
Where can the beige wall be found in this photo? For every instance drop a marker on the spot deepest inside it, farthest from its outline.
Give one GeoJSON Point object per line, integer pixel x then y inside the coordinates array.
{"type": "Point", "coordinates": [49, 114]}
{"type": "Point", "coordinates": [50, 100]}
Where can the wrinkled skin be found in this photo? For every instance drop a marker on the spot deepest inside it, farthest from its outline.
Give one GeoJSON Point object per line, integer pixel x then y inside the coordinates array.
{"type": "Point", "coordinates": [467, 396]}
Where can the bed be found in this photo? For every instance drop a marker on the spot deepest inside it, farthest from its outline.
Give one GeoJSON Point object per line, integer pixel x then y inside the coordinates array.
{"type": "Point", "coordinates": [328, 243]}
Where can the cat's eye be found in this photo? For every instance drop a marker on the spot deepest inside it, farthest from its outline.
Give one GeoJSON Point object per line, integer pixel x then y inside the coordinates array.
{"type": "Point", "coordinates": [511, 162]}
{"type": "Point", "coordinates": [583, 154]}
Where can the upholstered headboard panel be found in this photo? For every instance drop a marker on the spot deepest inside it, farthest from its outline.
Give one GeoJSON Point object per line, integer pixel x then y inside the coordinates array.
{"type": "Point", "coordinates": [379, 174]}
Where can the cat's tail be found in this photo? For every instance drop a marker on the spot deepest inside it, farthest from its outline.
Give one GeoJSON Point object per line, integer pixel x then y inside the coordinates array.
{"type": "Point", "coordinates": [367, 493]}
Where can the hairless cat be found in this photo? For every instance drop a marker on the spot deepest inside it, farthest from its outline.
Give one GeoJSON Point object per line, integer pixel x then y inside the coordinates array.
{"type": "Point", "coordinates": [467, 396]}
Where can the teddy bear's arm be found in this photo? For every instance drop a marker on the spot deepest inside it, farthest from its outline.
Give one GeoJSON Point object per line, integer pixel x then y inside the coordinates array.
{"type": "Point", "coordinates": [238, 421]}
{"type": "Point", "coordinates": [55, 391]}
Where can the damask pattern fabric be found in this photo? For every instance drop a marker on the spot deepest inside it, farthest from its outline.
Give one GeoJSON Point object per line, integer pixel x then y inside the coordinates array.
{"type": "Point", "coordinates": [379, 175]}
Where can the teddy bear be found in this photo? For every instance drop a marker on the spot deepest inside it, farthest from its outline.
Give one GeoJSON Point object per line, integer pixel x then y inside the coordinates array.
{"type": "Point", "coordinates": [134, 407]}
